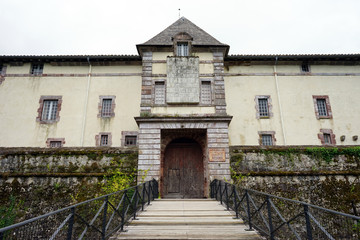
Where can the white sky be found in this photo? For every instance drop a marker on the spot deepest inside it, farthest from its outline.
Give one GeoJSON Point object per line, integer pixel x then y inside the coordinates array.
{"type": "Point", "coordinates": [71, 27]}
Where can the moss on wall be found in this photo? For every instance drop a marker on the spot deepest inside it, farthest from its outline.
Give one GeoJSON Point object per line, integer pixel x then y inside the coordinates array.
{"type": "Point", "coordinates": [325, 176]}
{"type": "Point", "coordinates": [43, 180]}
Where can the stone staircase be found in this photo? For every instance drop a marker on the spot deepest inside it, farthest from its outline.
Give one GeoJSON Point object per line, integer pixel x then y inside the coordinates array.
{"type": "Point", "coordinates": [186, 219]}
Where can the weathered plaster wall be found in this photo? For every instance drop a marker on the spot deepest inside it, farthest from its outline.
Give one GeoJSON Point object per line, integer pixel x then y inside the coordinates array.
{"type": "Point", "coordinates": [328, 177]}
{"type": "Point", "coordinates": [295, 90]}
{"type": "Point", "coordinates": [20, 94]}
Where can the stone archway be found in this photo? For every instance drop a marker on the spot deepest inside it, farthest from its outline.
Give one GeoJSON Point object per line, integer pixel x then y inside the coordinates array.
{"type": "Point", "coordinates": [183, 169]}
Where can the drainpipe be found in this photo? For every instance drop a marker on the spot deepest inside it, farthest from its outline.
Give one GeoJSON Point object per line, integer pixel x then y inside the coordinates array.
{"type": "Point", "coordinates": [279, 101]}
{"type": "Point", "coordinates": [86, 104]}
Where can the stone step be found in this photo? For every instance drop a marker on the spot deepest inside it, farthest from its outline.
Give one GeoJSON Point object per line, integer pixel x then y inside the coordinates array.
{"type": "Point", "coordinates": [186, 219]}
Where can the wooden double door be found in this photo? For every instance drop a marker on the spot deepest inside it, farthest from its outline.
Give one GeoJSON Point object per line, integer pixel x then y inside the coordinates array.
{"type": "Point", "coordinates": [183, 172]}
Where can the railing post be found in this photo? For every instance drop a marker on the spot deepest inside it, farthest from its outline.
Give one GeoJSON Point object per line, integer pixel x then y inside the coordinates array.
{"type": "Point", "coordinates": [148, 192]}
{"type": "Point", "coordinates": [123, 212]}
{"type": "Point", "coordinates": [248, 209]}
{"type": "Point", "coordinates": [104, 218]}
{"type": "Point", "coordinates": [220, 193]}
{"type": "Point", "coordinates": [227, 196]}
{"type": "Point", "coordinates": [270, 218]}
{"type": "Point", "coordinates": [308, 223]}
{"type": "Point", "coordinates": [143, 197]}
{"type": "Point", "coordinates": [155, 189]}
{"type": "Point", "coordinates": [135, 202]}
{"type": "Point", "coordinates": [235, 201]}
{"type": "Point", "coordinates": [71, 224]}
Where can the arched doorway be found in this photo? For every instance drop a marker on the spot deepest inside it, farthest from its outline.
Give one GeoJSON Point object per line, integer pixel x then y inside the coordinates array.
{"type": "Point", "coordinates": [183, 170]}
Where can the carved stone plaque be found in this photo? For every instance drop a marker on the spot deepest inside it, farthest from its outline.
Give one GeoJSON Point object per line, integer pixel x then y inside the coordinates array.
{"type": "Point", "coordinates": [182, 80]}
{"type": "Point", "coordinates": [217, 155]}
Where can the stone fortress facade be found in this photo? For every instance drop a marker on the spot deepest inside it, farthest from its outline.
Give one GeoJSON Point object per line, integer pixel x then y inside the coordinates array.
{"type": "Point", "coordinates": [182, 102]}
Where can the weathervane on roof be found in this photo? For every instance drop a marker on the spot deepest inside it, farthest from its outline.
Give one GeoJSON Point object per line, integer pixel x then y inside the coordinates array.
{"type": "Point", "coordinates": [179, 12]}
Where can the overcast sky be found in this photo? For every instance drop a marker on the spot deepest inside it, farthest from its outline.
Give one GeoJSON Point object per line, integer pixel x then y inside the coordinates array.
{"type": "Point", "coordinates": [72, 27]}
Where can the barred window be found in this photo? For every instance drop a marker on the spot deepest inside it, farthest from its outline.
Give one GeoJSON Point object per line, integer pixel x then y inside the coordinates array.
{"type": "Point", "coordinates": [305, 68]}
{"type": "Point", "coordinates": [130, 140]}
{"type": "Point", "coordinates": [106, 106]}
{"type": "Point", "coordinates": [263, 107]}
{"type": "Point", "coordinates": [37, 69]}
{"type": "Point", "coordinates": [182, 49]}
{"type": "Point", "coordinates": [266, 140]}
{"type": "Point", "coordinates": [55, 144]}
{"type": "Point", "coordinates": [159, 93]}
{"type": "Point", "coordinates": [104, 140]}
{"type": "Point", "coordinates": [321, 104]}
{"type": "Point", "coordinates": [49, 110]}
{"type": "Point", "coordinates": [205, 92]}
{"type": "Point", "coordinates": [327, 138]}
{"type": "Point", "coordinates": [106, 110]}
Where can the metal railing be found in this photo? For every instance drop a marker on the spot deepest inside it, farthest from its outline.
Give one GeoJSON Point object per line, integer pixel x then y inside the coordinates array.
{"type": "Point", "coordinates": [281, 218]}
{"type": "Point", "coordinates": [97, 218]}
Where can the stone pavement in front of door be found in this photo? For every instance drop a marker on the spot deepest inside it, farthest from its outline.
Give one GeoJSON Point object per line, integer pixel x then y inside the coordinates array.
{"type": "Point", "coordinates": [186, 219]}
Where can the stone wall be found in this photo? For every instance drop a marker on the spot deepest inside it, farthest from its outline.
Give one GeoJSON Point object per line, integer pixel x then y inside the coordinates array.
{"type": "Point", "coordinates": [43, 180]}
{"type": "Point", "coordinates": [328, 177]}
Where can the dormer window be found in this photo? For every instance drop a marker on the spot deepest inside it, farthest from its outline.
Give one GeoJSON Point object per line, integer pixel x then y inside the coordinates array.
{"type": "Point", "coordinates": [182, 49]}
{"type": "Point", "coordinates": [182, 44]}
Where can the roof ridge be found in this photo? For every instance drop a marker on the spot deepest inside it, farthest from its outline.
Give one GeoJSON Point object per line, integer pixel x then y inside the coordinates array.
{"type": "Point", "coordinates": [200, 37]}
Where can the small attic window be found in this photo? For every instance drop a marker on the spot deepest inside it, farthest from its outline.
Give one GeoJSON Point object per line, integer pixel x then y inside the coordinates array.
{"type": "Point", "coordinates": [182, 44]}
{"type": "Point", "coordinates": [182, 49]}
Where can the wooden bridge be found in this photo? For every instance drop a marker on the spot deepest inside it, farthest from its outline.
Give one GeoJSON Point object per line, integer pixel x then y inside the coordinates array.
{"type": "Point", "coordinates": [186, 219]}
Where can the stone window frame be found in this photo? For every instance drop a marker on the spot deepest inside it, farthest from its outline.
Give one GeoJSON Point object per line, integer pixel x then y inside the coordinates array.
{"type": "Point", "coordinates": [272, 133]}
{"type": "Point", "coordinates": [129, 133]}
{"type": "Point", "coordinates": [269, 102]}
{"type": "Point", "coordinates": [328, 106]}
{"type": "Point", "coordinates": [182, 37]}
{"type": "Point", "coordinates": [322, 138]}
{"type": "Point", "coordinates": [38, 70]}
{"type": "Point", "coordinates": [49, 140]}
{"type": "Point", "coordinates": [154, 92]}
{"type": "Point", "coordinates": [100, 105]}
{"type": "Point", "coordinates": [98, 139]}
{"type": "Point", "coordinates": [40, 109]}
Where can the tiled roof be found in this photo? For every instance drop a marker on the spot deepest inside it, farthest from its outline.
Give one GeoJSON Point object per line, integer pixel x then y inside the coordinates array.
{"type": "Point", "coordinates": [200, 37]}
{"type": "Point", "coordinates": [294, 57]}
{"type": "Point", "coordinates": [68, 58]}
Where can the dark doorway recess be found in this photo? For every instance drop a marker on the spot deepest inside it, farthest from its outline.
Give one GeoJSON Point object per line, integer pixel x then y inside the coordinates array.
{"type": "Point", "coordinates": [183, 172]}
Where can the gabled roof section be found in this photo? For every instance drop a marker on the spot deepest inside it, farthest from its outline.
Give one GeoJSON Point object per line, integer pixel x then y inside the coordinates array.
{"type": "Point", "coordinates": [200, 37]}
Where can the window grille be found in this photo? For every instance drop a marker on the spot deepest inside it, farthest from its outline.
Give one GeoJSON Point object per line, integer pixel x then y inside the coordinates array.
{"type": "Point", "coordinates": [206, 92]}
{"type": "Point", "coordinates": [321, 104]}
{"type": "Point", "coordinates": [263, 107]}
{"type": "Point", "coordinates": [266, 140]}
{"type": "Point", "coordinates": [37, 69]}
{"type": "Point", "coordinates": [305, 68]}
{"type": "Point", "coordinates": [49, 110]}
{"type": "Point", "coordinates": [55, 144]}
{"type": "Point", "coordinates": [159, 93]}
{"type": "Point", "coordinates": [130, 140]}
{"type": "Point", "coordinates": [327, 138]}
{"type": "Point", "coordinates": [182, 49]}
{"type": "Point", "coordinates": [106, 110]}
{"type": "Point", "coordinates": [104, 140]}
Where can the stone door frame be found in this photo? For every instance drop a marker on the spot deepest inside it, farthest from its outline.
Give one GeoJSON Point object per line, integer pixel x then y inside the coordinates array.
{"type": "Point", "coordinates": [217, 144]}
